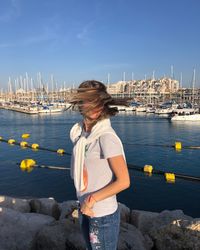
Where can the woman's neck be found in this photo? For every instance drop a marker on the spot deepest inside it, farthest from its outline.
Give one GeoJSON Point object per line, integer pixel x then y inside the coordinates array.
{"type": "Point", "coordinates": [88, 124]}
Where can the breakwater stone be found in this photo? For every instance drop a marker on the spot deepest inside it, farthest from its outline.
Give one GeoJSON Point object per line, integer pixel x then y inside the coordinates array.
{"type": "Point", "coordinates": [46, 206]}
{"type": "Point", "coordinates": [20, 205]}
{"type": "Point", "coordinates": [45, 224]}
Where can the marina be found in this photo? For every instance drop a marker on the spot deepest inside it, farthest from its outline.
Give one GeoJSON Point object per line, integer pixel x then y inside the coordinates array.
{"type": "Point", "coordinates": [164, 96]}
{"type": "Point", "coordinates": [172, 111]}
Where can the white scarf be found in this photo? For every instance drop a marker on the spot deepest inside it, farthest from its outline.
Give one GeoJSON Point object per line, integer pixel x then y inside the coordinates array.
{"type": "Point", "coordinates": [100, 128]}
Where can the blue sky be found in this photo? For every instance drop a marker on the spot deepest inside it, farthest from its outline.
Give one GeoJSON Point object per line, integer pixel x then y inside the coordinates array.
{"type": "Point", "coordinates": [77, 40]}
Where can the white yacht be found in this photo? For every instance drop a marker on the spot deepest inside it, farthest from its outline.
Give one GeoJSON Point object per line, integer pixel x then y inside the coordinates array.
{"type": "Point", "coordinates": [150, 109]}
{"type": "Point", "coordinates": [50, 109]}
{"type": "Point", "coordinates": [192, 116]}
{"type": "Point", "coordinates": [140, 108]}
{"type": "Point", "coordinates": [186, 117]}
{"type": "Point", "coordinates": [130, 108]}
{"type": "Point", "coordinates": [161, 111]}
{"type": "Point", "coordinates": [123, 107]}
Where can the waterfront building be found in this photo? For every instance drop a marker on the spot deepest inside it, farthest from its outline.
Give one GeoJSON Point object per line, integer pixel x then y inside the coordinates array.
{"type": "Point", "coordinates": [187, 95]}
{"type": "Point", "coordinates": [146, 90]}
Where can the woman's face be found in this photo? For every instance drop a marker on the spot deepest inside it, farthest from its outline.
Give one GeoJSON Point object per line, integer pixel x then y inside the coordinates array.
{"type": "Point", "coordinates": [91, 114]}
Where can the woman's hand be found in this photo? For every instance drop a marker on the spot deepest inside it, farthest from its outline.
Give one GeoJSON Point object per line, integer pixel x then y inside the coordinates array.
{"type": "Point", "coordinates": [86, 207]}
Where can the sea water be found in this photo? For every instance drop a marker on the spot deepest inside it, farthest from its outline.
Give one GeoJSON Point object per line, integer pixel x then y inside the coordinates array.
{"type": "Point", "coordinates": [144, 137]}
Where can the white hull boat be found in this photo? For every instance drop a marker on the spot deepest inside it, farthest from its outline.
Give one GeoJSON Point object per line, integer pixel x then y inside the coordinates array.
{"type": "Point", "coordinates": [163, 111]}
{"type": "Point", "coordinates": [50, 110]}
{"type": "Point", "coordinates": [187, 117]}
{"type": "Point", "coordinates": [140, 109]}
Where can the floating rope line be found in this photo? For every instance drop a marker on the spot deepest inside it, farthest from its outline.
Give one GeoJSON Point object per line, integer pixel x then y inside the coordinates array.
{"type": "Point", "coordinates": [29, 164]}
{"type": "Point", "coordinates": [148, 145]}
{"type": "Point", "coordinates": [160, 172]}
{"type": "Point", "coordinates": [13, 142]}
{"type": "Point", "coordinates": [160, 145]}
{"type": "Point", "coordinates": [40, 166]}
{"type": "Point", "coordinates": [177, 146]}
{"type": "Point", "coordinates": [169, 176]}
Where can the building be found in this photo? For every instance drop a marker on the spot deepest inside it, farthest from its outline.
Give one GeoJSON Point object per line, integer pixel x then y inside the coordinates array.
{"type": "Point", "coordinates": [146, 91]}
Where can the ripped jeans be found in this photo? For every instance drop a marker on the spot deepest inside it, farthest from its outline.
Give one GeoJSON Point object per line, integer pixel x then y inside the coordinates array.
{"type": "Point", "coordinates": [101, 232]}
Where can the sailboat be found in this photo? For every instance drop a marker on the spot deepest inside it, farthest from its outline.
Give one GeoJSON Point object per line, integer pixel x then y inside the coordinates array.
{"type": "Point", "coordinates": [190, 115]}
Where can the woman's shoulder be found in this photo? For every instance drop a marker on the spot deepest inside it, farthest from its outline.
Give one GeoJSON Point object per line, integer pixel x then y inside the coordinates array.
{"type": "Point", "coordinates": [109, 138]}
{"type": "Point", "coordinates": [76, 131]}
{"type": "Point", "coordinates": [110, 145]}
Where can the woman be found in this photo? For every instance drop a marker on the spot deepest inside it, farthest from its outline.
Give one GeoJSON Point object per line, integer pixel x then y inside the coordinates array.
{"type": "Point", "coordinates": [98, 166]}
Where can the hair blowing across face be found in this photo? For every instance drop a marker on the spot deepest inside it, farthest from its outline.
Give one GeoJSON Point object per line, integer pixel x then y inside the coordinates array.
{"type": "Point", "coordinates": [94, 93]}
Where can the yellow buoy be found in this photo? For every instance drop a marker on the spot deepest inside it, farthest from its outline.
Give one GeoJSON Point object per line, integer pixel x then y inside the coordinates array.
{"type": "Point", "coordinates": [148, 169]}
{"type": "Point", "coordinates": [170, 177]}
{"type": "Point", "coordinates": [35, 146]}
{"type": "Point", "coordinates": [25, 136]}
{"type": "Point", "coordinates": [60, 151]}
{"type": "Point", "coordinates": [1, 137]}
{"type": "Point", "coordinates": [27, 164]}
{"type": "Point", "coordinates": [23, 144]}
{"type": "Point", "coordinates": [178, 145]}
{"type": "Point", "coordinates": [11, 141]}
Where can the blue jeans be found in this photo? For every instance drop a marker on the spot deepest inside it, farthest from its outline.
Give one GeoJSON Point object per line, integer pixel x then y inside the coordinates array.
{"type": "Point", "coordinates": [101, 232]}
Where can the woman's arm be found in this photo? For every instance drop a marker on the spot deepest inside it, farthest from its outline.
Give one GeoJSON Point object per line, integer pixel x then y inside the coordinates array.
{"type": "Point", "coordinates": [121, 182]}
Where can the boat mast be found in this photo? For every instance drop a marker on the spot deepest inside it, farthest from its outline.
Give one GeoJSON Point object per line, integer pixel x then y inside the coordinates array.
{"type": "Point", "coordinates": [172, 72]}
{"type": "Point", "coordinates": [193, 83]}
{"type": "Point", "coordinates": [124, 80]}
{"type": "Point", "coordinates": [124, 76]}
{"type": "Point", "coordinates": [52, 88]}
{"type": "Point", "coordinates": [132, 77]}
{"type": "Point", "coordinates": [181, 86]}
{"type": "Point", "coordinates": [108, 81]}
{"type": "Point", "coordinates": [181, 80]}
{"type": "Point", "coordinates": [153, 75]}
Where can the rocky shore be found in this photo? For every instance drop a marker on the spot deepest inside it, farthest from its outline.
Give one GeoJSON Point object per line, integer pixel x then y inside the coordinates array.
{"type": "Point", "coordinates": [44, 224]}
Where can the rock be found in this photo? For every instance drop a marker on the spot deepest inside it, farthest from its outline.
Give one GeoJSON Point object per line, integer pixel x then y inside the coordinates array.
{"type": "Point", "coordinates": [18, 230]}
{"type": "Point", "coordinates": [67, 208]}
{"type": "Point", "coordinates": [193, 224]}
{"type": "Point", "coordinates": [158, 226]}
{"type": "Point", "coordinates": [178, 235]}
{"type": "Point", "coordinates": [143, 220]}
{"type": "Point", "coordinates": [165, 218]}
{"type": "Point", "coordinates": [21, 205]}
{"type": "Point", "coordinates": [132, 239]}
{"type": "Point", "coordinates": [60, 235]}
{"type": "Point", "coordinates": [21, 230]}
{"type": "Point", "coordinates": [35, 205]}
{"type": "Point", "coordinates": [47, 206]}
{"type": "Point", "coordinates": [124, 213]}
{"type": "Point", "coordinates": [146, 221]}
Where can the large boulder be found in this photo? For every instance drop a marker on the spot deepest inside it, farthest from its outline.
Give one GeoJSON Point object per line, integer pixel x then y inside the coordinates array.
{"type": "Point", "coordinates": [47, 206]}
{"type": "Point", "coordinates": [178, 235]}
{"type": "Point", "coordinates": [143, 220]}
{"type": "Point", "coordinates": [147, 222]}
{"type": "Point", "coordinates": [169, 230]}
{"type": "Point", "coordinates": [18, 230]}
{"type": "Point", "coordinates": [60, 235]}
{"type": "Point", "coordinates": [21, 205]}
{"type": "Point", "coordinates": [131, 238]}
{"type": "Point", "coordinates": [165, 218]}
{"type": "Point", "coordinates": [67, 208]}
{"type": "Point", "coordinates": [124, 213]}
